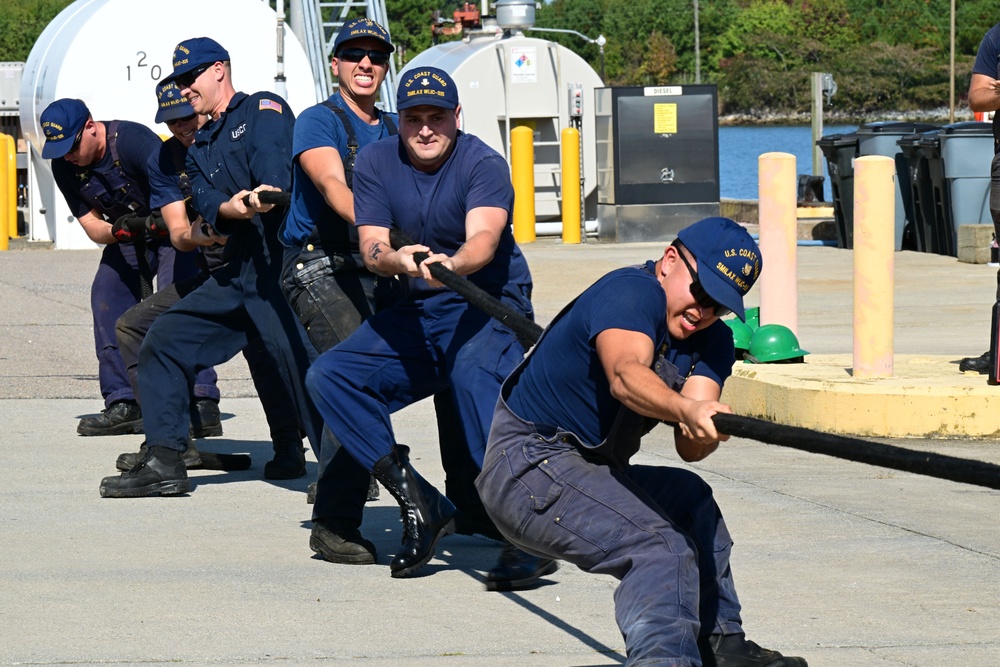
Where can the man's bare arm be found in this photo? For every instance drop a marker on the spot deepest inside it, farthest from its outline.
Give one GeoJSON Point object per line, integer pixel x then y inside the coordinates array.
{"type": "Point", "coordinates": [627, 357]}
{"type": "Point", "coordinates": [325, 168]}
{"type": "Point", "coordinates": [97, 228]}
{"type": "Point", "coordinates": [984, 93]}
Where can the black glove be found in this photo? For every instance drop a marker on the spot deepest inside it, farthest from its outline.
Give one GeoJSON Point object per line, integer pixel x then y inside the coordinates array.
{"type": "Point", "coordinates": [156, 227]}
{"type": "Point", "coordinates": [128, 228]}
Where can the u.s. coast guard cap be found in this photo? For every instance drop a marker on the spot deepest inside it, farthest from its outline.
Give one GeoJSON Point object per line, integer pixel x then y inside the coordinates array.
{"type": "Point", "coordinates": [426, 85]}
{"type": "Point", "coordinates": [728, 260]}
{"type": "Point", "coordinates": [60, 122]}
{"type": "Point", "coordinates": [358, 28]}
{"type": "Point", "coordinates": [191, 53]}
{"type": "Point", "coordinates": [170, 103]}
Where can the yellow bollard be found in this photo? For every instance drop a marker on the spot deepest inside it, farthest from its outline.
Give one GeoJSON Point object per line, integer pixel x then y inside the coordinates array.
{"type": "Point", "coordinates": [779, 296]}
{"type": "Point", "coordinates": [522, 168]}
{"type": "Point", "coordinates": [12, 184]}
{"type": "Point", "coordinates": [570, 153]}
{"type": "Point", "coordinates": [4, 196]}
{"type": "Point", "coordinates": [874, 265]}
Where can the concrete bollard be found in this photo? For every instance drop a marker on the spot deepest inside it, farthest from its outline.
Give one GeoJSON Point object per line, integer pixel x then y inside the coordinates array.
{"type": "Point", "coordinates": [874, 265]}
{"type": "Point", "coordinates": [522, 169]}
{"type": "Point", "coordinates": [779, 296]}
{"type": "Point", "coordinates": [570, 177]}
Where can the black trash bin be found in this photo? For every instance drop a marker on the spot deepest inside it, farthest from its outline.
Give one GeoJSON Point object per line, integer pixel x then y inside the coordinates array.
{"type": "Point", "coordinates": [921, 215]}
{"type": "Point", "coordinates": [881, 139]}
{"type": "Point", "coordinates": [938, 211]}
{"type": "Point", "coordinates": [840, 151]}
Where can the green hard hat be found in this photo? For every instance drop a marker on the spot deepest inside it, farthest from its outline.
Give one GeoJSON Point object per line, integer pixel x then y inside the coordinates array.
{"type": "Point", "coordinates": [752, 316]}
{"type": "Point", "coordinates": [774, 343]}
{"type": "Point", "coordinates": [741, 334]}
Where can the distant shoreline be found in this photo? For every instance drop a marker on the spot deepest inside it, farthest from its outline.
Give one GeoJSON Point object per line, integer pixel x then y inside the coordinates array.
{"type": "Point", "coordinates": [833, 117]}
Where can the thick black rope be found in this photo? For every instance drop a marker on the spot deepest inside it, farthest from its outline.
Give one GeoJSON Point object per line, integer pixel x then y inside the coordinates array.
{"type": "Point", "coordinates": [967, 471]}
{"type": "Point", "coordinates": [271, 197]}
{"type": "Point", "coordinates": [527, 331]}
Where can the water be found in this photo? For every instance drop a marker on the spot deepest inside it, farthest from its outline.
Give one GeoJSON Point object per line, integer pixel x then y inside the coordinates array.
{"type": "Point", "coordinates": [739, 148]}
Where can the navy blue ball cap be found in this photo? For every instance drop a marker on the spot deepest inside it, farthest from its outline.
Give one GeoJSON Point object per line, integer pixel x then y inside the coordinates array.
{"type": "Point", "coordinates": [194, 52]}
{"type": "Point", "coordinates": [170, 103]}
{"type": "Point", "coordinates": [728, 259]}
{"type": "Point", "coordinates": [61, 121]}
{"type": "Point", "coordinates": [426, 85]}
{"type": "Point", "coordinates": [358, 28]}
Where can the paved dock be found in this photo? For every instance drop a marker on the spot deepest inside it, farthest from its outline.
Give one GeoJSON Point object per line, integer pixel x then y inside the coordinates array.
{"type": "Point", "coordinates": [839, 562]}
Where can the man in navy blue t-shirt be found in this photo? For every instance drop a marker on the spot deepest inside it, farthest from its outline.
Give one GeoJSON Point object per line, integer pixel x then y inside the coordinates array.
{"type": "Point", "coordinates": [453, 195]}
{"type": "Point", "coordinates": [640, 346]}
{"type": "Point", "coordinates": [984, 96]}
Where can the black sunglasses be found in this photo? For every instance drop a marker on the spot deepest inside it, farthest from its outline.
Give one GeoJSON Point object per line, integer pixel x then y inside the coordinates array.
{"type": "Point", "coordinates": [354, 55]}
{"type": "Point", "coordinates": [698, 292]}
{"type": "Point", "coordinates": [174, 121]}
{"type": "Point", "coordinates": [76, 142]}
{"type": "Point", "coordinates": [186, 79]}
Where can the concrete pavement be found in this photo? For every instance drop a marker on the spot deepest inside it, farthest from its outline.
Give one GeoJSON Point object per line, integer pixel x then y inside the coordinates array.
{"type": "Point", "coordinates": [839, 562]}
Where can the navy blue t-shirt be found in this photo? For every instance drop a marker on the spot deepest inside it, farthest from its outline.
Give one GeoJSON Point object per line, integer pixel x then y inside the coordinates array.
{"type": "Point", "coordinates": [135, 144]}
{"type": "Point", "coordinates": [988, 63]}
{"type": "Point", "coordinates": [319, 127]}
{"type": "Point", "coordinates": [563, 383]}
{"type": "Point", "coordinates": [431, 207]}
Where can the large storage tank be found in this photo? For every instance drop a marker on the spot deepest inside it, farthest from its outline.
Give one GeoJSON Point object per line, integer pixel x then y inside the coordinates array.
{"type": "Point", "coordinates": [506, 82]}
{"type": "Point", "coordinates": [111, 53]}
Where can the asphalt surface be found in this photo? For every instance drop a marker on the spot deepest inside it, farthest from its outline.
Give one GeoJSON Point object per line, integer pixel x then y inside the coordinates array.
{"type": "Point", "coordinates": [838, 562]}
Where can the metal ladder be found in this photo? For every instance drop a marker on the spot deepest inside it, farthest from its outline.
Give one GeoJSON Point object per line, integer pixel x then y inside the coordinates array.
{"type": "Point", "coordinates": [318, 22]}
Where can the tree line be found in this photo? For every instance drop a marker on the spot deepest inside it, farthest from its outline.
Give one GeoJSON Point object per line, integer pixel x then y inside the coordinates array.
{"type": "Point", "coordinates": [885, 55]}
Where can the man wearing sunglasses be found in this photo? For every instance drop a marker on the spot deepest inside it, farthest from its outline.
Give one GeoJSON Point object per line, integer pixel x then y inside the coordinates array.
{"type": "Point", "coordinates": [244, 148]}
{"type": "Point", "coordinates": [642, 345]}
{"type": "Point", "coordinates": [101, 169]}
{"type": "Point", "coordinates": [171, 195]}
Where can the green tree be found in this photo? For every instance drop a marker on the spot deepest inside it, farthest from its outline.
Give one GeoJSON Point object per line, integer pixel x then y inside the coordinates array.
{"type": "Point", "coordinates": [22, 22]}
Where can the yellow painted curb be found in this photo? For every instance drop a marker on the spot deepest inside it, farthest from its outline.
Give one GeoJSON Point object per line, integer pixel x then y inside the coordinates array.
{"type": "Point", "coordinates": [927, 398]}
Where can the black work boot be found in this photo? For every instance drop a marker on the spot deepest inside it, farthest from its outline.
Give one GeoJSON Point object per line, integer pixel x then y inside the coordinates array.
{"type": "Point", "coordinates": [129, 460]}
{"type": "Point", "coordinates": [518, 570]}
{"type": "Point", "coordinates": [121, 418]}
{"type": "Point", "coordinates": [427, 515]}
{"type": "Point", "coordinates": [160, 472]}
{"type": "Point", "coordinates": [980, 364]}
{"type": "Point", "coordinates": [737, 651]}
{"type": "Point", "coordinates": [338, 542]}
{"type": "Point", "coordinates": [206, 421]}
{"type": "Point", "coordinates": [289, 460]}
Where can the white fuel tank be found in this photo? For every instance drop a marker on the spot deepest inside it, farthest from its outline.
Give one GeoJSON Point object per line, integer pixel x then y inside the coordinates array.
{"type": "Point", "coordinates": [518, 80]}
{"type": "Point", "coordinates": [111, 54]}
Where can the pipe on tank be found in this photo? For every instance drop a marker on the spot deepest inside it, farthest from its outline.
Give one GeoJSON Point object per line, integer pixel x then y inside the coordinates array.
{"type": "Point", "coordinates": [279, 77]}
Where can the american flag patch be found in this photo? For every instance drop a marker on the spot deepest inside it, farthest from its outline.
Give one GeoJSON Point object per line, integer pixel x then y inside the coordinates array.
{"type": "Point", "coordinates": [269, 104]}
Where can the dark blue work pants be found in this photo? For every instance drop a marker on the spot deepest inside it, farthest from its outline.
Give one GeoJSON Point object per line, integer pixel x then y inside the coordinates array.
{"type": "Point", "coordinates": [657, 530]}
{"type": "Point", "coordinates": [274, 396]}
{"type": "Point", "coordinates": [419, 347]}
{"type": "Point", "coordinates": [211, 325]}
{"type": "Point", "coordinates": [115, 289]}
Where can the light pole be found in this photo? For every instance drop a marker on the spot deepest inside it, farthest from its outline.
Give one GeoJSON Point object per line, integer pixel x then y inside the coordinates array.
{"type": "Point", "coordinates": [697, 45]}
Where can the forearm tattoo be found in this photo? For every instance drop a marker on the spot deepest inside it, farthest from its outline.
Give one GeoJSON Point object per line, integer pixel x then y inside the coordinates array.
{"type": "Point", "coordinates": [373, 254]}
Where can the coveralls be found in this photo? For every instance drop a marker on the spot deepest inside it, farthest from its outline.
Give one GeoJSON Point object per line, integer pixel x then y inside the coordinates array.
{"type": "Point", "coordinates": [170, 183]}
{"type": "Point", "coordinates": [248, 145]}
